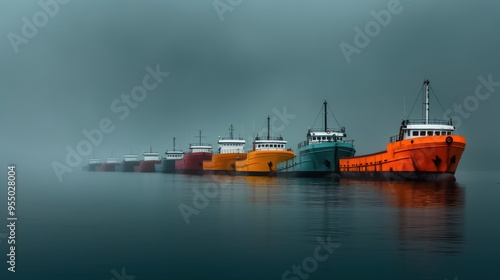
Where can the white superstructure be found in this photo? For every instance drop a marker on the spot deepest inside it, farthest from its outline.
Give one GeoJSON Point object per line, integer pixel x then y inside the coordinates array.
{"type": "Point", "coordinates": [200, 147]}
{"type": "Point", "coordinates": [94, 161]}
{"type": "Point", "coordinates": [269, 143]}
{"type": "Point", "coordinates": [111, 160]}
{"type": "Point", "coordinates": [151, 156]}
{"type": "Point", "coordinates": [130, 157]}
{"type": "Point", "coordinates": [231, 144]}
{"type": "Point", "coordinates": [425, 127]}
{"type": "Point", "coordinates": [173, 154]}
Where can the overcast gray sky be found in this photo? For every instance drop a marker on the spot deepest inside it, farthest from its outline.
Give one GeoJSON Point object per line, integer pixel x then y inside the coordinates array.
{"type": "Point", "coordinates": [238, 65]}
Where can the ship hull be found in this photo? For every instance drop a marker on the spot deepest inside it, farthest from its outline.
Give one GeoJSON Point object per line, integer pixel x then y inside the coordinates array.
{"type": "Point", "coordinates": [223, 164]}
{"type": "Point", "coordinates": [401, 176]}
{"type": "Point", "coordinates": [309, 174]}
{"type": "Point", "coordinates": [168, 166]}
{"type": "Point", "coordinates": [192, 163]}
{"type": "Point", "coordinates": [93, 166]}
{"type": "Point", "coordinates": [148, 166]}
{"type": "Point", "coordinates": [431, 158]}
{"type": "Point", "coordinates": [106, 167]}
{"type": "Point", "coordinates": [316, 160]}
{"type": "Point", "coordinates": [128, 166]}
{"type": "Point", "coordinates": [262, 163]}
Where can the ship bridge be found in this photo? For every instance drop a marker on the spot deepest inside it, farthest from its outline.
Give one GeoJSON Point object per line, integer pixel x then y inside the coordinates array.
{"type": "Point", "coordinates": [424, 127]}
{"type": "Point", "coordinates": [94, 161]}
{"type": "Point", "coordinates": [174, 154]}
{"type": "Point", "coordinates": [200, 148]}
{"type": "Point", "coordinates": [231, 145]}
{"type": "Point", "coordinates": [269, 143]}
{"type": "Point", "coordinates": [317, 136]}
{"type": "Point", "coordinates": [150, 156]}
{"type": "Point", "coordinates": [417, 128]}
{"type": "Point", "coordinates": [111, 160]}
{"type": "Point", "coordinates": [130, 157]}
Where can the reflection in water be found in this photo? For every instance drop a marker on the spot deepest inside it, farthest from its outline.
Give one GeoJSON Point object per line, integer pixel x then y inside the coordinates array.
{"type": "Point", "coordinates": [417, 194]}
{"type": "Point", "coordinates": [430, 215]}
{"type": "Point", "coordinates": [260, 181]}
{"type": "Point", "coordinates": [262, 189]}
{"type": "Point", "coordinates": [425, 216]}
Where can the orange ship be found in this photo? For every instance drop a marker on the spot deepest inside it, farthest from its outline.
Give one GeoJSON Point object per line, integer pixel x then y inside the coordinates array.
{"type": "Point", "coordinates": [423, 150]}
{"type": "Point", "coordinates": [230, 150]}
{"type": "Point", "coordinates": [266, 153]}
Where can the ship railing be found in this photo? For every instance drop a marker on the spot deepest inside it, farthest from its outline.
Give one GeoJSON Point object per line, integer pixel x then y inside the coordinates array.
{"type": "Point", "coordinates": [200, 144]}
{"type": "Point", "coordinates": [394, 138]}
{"type": "Point", "coordinates": [235, 151]}
{"type": "Point", "coordinates": [229, 138]}
{"type": "Point", "coordinates": [431, 121]}
{"type": "Point", "coordinates": [279, 138]}
{"type": "Point", "coordinates": [342, 130]}
{"type": "Point", "coordinates": [302, 144]}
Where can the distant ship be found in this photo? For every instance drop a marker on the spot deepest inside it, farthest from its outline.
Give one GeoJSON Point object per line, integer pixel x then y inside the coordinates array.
{"type": "Point", "coordinates": [148, 163]}
{"type": "Point", "coordinates": [130, 161]}
{"type": "Point", "coordinates": [93, 164]}
{"type": "Point", "coordinates": [192, 162]}
{"type": "Point", "coordinates": [224, 162]}
{"type": "Point", "coordinates": [168, 160]}
{"type": "Point", "coordinates": [109, 165]}
{"type": "Point", "coordinates": [318, 156]}
{"type": "Point", "coordinates": [423, 150]}
{"type": "Point", "coordinates": [267, 152]}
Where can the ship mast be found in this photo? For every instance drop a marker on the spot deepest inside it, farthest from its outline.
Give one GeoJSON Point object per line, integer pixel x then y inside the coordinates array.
{"type": "Point", "coordinates": [326, 116]}
{"type": "Point", "coordinates": [426, 83]}
{"type": "Point", "coordinates": [199, 131]}
{"type": "Point", "coordinates": [268, 127]}
{"type": "Point", "coordinates": [174, 143]}
{"type": "Point", "coordinates": [231, 131]}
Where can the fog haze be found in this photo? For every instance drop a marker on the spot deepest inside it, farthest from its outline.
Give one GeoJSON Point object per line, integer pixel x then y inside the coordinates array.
{"type": "Point", "coordinates": [263, 57]}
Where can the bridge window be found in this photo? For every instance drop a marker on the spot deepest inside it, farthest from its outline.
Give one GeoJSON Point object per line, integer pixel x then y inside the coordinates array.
{"type": "Point", "coordinates": [437, 133]}
{"type": "Point", "coordinates": [422, 133]}
{"type": "Point", "coordinates": [415, 133]}
{"type": "Point", "coordinates": [449, 133]}
{"type": "Point", "coordinates": [429, 133]}
{"type": "Point", "coordinates": [408, 133]}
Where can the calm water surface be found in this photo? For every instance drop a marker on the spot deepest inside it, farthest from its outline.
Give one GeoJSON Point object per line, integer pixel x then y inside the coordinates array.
{"type": "Point", "coordinates": [122, 225]}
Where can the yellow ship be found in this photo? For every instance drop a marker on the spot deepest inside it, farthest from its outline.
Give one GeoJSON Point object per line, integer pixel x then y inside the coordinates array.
{"type": "Point", "coordinates": [230, 150]}
{"type": "Point", "coordinates": [266, 153]}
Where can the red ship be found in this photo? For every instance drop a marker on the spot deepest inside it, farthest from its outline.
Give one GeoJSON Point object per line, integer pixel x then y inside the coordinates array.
{"type": "Point", "coordinates": [192, 163]}
{"type": "Point", "coordinates": [109, 165]}
{"type": "Point", "coordinates": [149, 162]}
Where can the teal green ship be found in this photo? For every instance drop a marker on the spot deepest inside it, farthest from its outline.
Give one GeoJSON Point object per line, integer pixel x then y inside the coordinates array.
{"type": "Point", "coordinates": [318, 156]}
